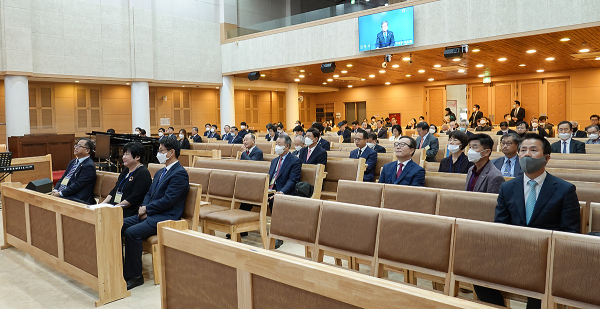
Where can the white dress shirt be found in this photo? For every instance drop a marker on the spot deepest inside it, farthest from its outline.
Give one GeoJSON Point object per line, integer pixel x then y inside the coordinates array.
{"type": "Point", "coordinates": [568, 145]}
{"type": "Point", "coordinates": [527, 189]}
{"type": "Point", "coordinates": [403, 164]}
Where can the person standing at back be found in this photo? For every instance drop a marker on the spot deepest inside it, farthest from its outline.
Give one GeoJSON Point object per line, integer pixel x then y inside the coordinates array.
{"type": "Point", "coordinates": [517, 113]}
{"type": "Point", "coordinates": [483, 176]}
{"type": "Point", "coordinates": [363, 151]}
{"type": "Point", "coordinates": [475, 116]}
{"type": "Point", "coordinates": [567, 144]}
{"type": "Point", "coordinates": [427, 141]}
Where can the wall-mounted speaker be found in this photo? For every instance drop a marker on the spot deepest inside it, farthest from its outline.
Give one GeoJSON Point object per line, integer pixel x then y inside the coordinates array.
{"type": "Point", "coordinates": [328, 67]}
{"type": "Point", "coordinates": [254, 75]}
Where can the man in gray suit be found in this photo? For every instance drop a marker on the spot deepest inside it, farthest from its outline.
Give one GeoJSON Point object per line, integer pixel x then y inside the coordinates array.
{"type": "Point", "coordinates": [427, 141]}
{"type": "Point", "coordinates": [249, 149]}
{"type": "Point", "coordinates": [483, 176]}
{"type": "Point", "coordinates": [509, 164]}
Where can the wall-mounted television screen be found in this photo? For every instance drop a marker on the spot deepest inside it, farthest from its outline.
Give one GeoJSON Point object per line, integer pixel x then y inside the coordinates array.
{"type": "Point", "coordinates": [386, 29]}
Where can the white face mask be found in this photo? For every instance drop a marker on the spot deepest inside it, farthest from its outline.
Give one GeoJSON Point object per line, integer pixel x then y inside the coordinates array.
{"type": "Point", "coordinates": [453, 148]}
{"type": "Point", "coordinates": [161, 134]}
{"type": "Point", "coordinates": [564, 136]}
{"type": "Point", "coordinates": [504, 131]}
{"type": "Point", "coordinates": [298, 148]}
{"type": "Point", "coordinates": [371, 145]}
{"type": "Point", "coordinates": [207, 128]}
{"type": "Point", "coordinates": [279, 131]}
{"type": "Point", "coordinates": [243, 127]}
{"type": "Point", "coordinates": [542, 124]}
{"type": "Point", "coordinates": [212, 130]}
{"type": "Point", "coordinates": [534, 124]}
{"type": "Point", "coordinates": [308, 141]}
{"type": "Point", "coordinates": [136, 132]}
{"type": "Point", "coordinates": [593, 136]}
{"type": "Point", "coordinates": [482, 123]}
{"type": "Point", "coordinates": [432, 130]}
{"type": "Point", "coordinates": [279, 149]}
{"type": "Point", "coordinates": [514, 106]}
{"type": "Point", "coordinates": [473, 155]}
{"type": "Point", "coordinates": [162, 157]}
{"type": "Point", "coordinates": [181, 136]}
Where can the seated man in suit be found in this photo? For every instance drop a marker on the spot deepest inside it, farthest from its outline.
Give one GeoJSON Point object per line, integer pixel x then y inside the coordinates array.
{"type": "Point", "coordinates": [535, 128]}
{"type": "Point", "coordinates": [381, 130]}
{"type": "Point", "coordinates": [364, 151]}
{"type": "Point", "coordinates": [504, 129]}
{"type": "Point", "coordinates": [170, 132]}
{"type": "Point", "coordinates": [249, 149]}
{"type": "Point", "coordinates": [235, 138]}
{"type": "Point", "coordinates": [344, 132]}
{"type": "Point", "coordinates": [164, 201]}
{"type": "Point", "coordinates": [576, 131]}
{"type": "Point", "coordinates": [463, 126]}
{"type": "Point", "coordinates": [243, 130]}
{"type": "Point", "coordinates": [483, 176]}
{"type": "Point", "coordinates": [161, 132]}
{"type": "Point", "coordinates": [592, 131]}
{"type": "Point", "coordinates": [427, 141]}
{"type": "Point", "coordinates": [195, 137]}
{"type": "Point", "coordinates": [372, 142]}
{"type": "Point", "coordinates": [79, 179]}
{"type": "Point", "coordinates": [509, 163]}
{"type": "Point", "coordinates": [213, 132]}
{"type": "Point", "coordinates": [312, 153]}
{"type": "Point", "coordinates": [298, 130]}
{"type": "Point", "coordinates": [280, 130]}
{"type": "Point", "coordinates": [522, 128]}
{"type": "Point", "coordinates": [226, 136]}
{"type": "Point", "coordinates": [536, 199]}
{"type": "Point", "coordinates": [404, 171]}
{"type": "Point", "coordinates": [207, 129]}
{"type": "Point", "coordinates": [567, 144]}
{"type": "Point", "coordinates": [322, 142]}
{"type": "Point", "coordinates": [298, 144]}
{"type": "Point", "coordinates": [508, 119]}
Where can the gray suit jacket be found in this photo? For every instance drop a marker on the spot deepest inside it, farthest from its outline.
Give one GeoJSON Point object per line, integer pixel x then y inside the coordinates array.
{"type": "Point", "coordinates": [489, 180]}
{"type": "Point", "coordinates": [434, 147]}
{"type": "Point", "coordinates": [516, 170]}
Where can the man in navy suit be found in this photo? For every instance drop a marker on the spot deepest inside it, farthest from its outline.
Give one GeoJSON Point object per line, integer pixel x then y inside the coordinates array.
{"type": "Point", "coordinates": [536, 199]}
{"type": "Point", "coordinates": [312, 153]}
{"type": "Point", "coordinates": [381, 130]}
{"type": "Point", "coordinates": [213, 132]}
{"type": "Point", "coordinates": [235, 138]}
{"type": "Point", "coordinates": [226, 135]}
{"type": "Point", "coordinates": [344, 132]}
{"type": "Point", "coordinates": [207, 127]}
{"type": "Point", "coordinates": [372, 142]}
{"type": "Point", "coordinates": [164, 201]}
{"type": "Point", "coordinates": [243, 130]}
{"type": "Point", "coordinates": [504, 129]}
{"type": "Point", "coordinates": [404, 171]}
{"type": "Point", "coordinates": [364, 151]}
{"type": "Point", "coordinates": [427, 141]}
{"type": "Point", "coordinates": [249, 150]}
{"type": "Point", "coordinates": [385, 38]}
{"type": "Point", "coordinates": [323, 143]}
{"type": "Point", "coordinates": [195, 137]}
{"type": "Point", "coordinates": [567, 144]}
{"type": "Point", "coordinates": [509, 164]}
{"type": "Point", "coordinates": [79, 179]}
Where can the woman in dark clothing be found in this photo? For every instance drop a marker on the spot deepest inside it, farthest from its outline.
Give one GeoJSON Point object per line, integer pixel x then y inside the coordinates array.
{"type": "Point", "coordinates": [457, 161]}
{"type": "Point", "coordinates": [133, 183]}
{"type": "Point", "coordinates": [184, 143]}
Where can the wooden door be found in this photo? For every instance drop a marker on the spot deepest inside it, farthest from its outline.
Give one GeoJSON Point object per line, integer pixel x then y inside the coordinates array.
{"type": "Point", "coordinates": [557, 101]}
{"type": "Point", "coordinates": [530, 99]}
{"type": "Point", "coordinates": [479, 96]}
{"type": "Point", "coordinates": [435, 96]}
{"type": "Point", "coordinates": [503, 99]}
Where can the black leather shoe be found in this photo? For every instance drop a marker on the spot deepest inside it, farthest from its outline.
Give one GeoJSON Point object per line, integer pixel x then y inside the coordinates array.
{"type": "Point", "coordinates": [242, 234]}
{"type": "Point", "coordinates": [278, 243]}
{"type": "Point", "coordinates": [133, 282]}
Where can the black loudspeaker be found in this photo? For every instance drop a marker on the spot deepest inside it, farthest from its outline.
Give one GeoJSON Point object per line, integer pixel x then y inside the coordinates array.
{"type": "Point", "coordinates": [254, 75]}
{"type": "Point", "coordinates": [328, 67]}
{"type": "Point", "coordinates": [42, 185]}
{"type": "Point", "coordinates": [451, 53]}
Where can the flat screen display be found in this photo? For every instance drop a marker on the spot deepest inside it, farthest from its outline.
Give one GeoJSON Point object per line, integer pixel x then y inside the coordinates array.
{"type": "Point", "coordinates": [386, 29]}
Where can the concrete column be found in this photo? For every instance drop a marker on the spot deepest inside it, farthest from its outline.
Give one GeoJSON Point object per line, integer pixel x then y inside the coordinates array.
{"type": "Point", "coordinates": [292, 110]}
{"type": "Point", "coordinates": [227, 103]}
{"type": "Point", "coordinates": [140, 106]}
{"type": "Point", "coordinates": [16, 105]}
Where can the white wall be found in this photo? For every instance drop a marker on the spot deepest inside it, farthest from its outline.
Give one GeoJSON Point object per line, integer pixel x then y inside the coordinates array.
{"type": "Point", "coordinates": [443, 22]}
{"type": "Point", "coordinates": [250, 12]}
{"type": "Point", "coordinates": [458, 93]}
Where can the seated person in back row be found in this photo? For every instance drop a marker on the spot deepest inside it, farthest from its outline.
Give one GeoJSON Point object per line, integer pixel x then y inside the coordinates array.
{"type": "Point", "coordinates": [427, 141]}
{"type": "Point", "coordinates": [133, 183]}
{"type": "Point", "coordinates": [372, 142]}
{"type": "Point", "coordinates": [312, 153]}
{"type": "Point", "coordinates": [567, 144]}
{"type": "Point", "coordinates": [483, 176]}
{"type": "Point", "coordinates": [249, 149]}
{"type": "Point", "coordinates": [593, 131]}
{"type": "Point", "coordinates": [509, 163]}
{"type": "Point", "coordinates": [504, 129]}
{"type": "Point", "coordinates": [364, 151]}
{"type": "Point", "coordinates": [344, 132]}
{"type": "Point", "coordinates": [322, 142]}
{"type": "Point", "coordinates": [457, 161]}
{"type": "Point", "coordinates": [235, 138]}
{"type": "Point", "coordinates": [298, 144]}
{"type": "Point", "coordinates": [78, 181]}
{"type": "Point", "coordinates": [404, 171]}
{"type": "Point", "coordinates": [165, 200]}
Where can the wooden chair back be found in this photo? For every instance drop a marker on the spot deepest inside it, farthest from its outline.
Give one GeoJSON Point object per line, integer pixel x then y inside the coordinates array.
{"type": "Point", "coordinates": [445, 181]}
{"type": "Point", "coordinates": [198, 146]}
{"type": "Point", "coordinates": [266, 147]}
{"type": "Point", "coordinates": [383, 159]}
{"type": "Point", "coordinates": [191, 210]}
{"type": "Point", "coordinates": [200, 176]}
{"type": "Point", "coordinates": [407, 198]}
{"type": "Point", "coordinates": [42, 168]}
{"type": "Point", "coordinates": [109, 181]}
{"type": "Point", "coordinates": [334, 139]}
{"type": "Point", "coordinates": [341, 169]}
{"type": "Point", "coordinates": [186, 156]}
{"type": "Point", "coordinates": [473, 206]}
{"type": "Point", "coordinates": [594, 218]}
{"type": "Point", "coordinates": [153, 168]}
{"type": "Point", "coordinates": [359, 193]}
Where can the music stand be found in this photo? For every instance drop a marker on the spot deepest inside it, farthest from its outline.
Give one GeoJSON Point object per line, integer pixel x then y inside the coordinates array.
{"type": "Point", "coordinates": [5, 160]}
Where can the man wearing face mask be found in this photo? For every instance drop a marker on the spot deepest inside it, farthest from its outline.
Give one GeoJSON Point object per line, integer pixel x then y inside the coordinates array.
{"type": "Point", "coordinates": [164, 201]}
{"type": "Point", "coordinates": [576, 131]}
{"type": "Point", "coordinates": [535, 128]}
{"type": "Point", "coordinates": [593, 135]}
{"type": "Point", "coordinates": [214, 133]}
{"type": "Point", "coordinates": [161, 132]}
{"type": "Point", "coordinates": [457, 161]}
{"type": "Point", "coordinates": [372, 142]}
{"type": "Point", "coordinates": [517, 113]}
{"type": "Point", "coordinates": [363, 151]}
{"type": "Point", "coordinates": [207, 128]}
{"type": "Point", "coordinates": [464, 125]}
{"type": "Point", "coordinates": [546, 125]}
{"type": "Point", "coordinates": [509, 163]}
{"type": "Point", "coordinates": [298, 144]}
{"type": "Point", "coordinates": [195, 137]}
{"type": "Point", "coordinates": [508, 119]}
{"type": "Point", "coordinates": [504, 129]}
{"type": "Point", "coordinates": [280, 130]}
{"type": "Point", "coordinates": [404, 171]}
{"type": "Point", "coordinates": [483, 125]}
{"type": "Point", "coordinates": [483, 176]}
{"type": "Point", "coordinates": [475, 116]}
{"type": "Point", "coordinates": [235, 137]}
{"type": "Point", "coordinates": [243, 129]}
{"type": "Point", "coordinates": [536, 199]}
{"type": "Point", "coordinates": [427, 141]}
{"type": "Point", "coordinates": [312, 153]}
{"type": "Point", "coordinates": [567, 144]}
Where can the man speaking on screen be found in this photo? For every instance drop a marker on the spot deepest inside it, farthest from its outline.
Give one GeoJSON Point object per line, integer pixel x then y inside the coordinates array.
{"type": "Point", "coordinates": [385, 38]}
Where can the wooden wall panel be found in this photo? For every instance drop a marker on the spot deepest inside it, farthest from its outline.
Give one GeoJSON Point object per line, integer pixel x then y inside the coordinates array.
{"type": "Point", "coordinates": [503, 101]}
{"type": "Point", "coordinates": [479, 96]}
{"type": "Point", "coordinates": [529, 93]}
{"type": "Point", "coordinates": [437, 105]}
{"type": "Point", "coordinates": [557, 99]}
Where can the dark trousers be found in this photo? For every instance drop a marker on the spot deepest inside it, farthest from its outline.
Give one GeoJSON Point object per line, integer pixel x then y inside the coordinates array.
{"type": "Point", "coordinates": [134, 231]}
{"type": "Point", "coordinates": [495, 297]}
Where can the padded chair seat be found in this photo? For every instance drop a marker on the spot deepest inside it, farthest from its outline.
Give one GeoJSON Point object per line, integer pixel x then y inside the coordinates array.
{"type": "Point", "coordinates": [233, 217]}
{"type": "Point", "coordinates": [210, 209]}
{"type": "Point", "coordinates": [153, 240]}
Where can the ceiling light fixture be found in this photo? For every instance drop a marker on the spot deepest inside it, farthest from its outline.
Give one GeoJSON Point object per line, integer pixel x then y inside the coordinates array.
{"type": "Point", "coordinates": [324, 83]}
{"type": "Point", "coordinates": [407, 75]}
{"type": "Point", "coordinates": [479, 65]}
{"type": "Point", "coordinates": [362, 79]}
{"type": "Point", "coordinates": [421, 71]}
{"type": "Point", "coordinates": [461, 71]}
{"type": "Point", "coordinates": [481, 75]}
{"type": "Point", "coordinates": [372, 75]}
{"type": "Point", "coordinates": [456, 59]}
{"type": "Point", "coordinates": [431, 79]}
{"type": "Point", "coordinates": [336, 76]}
{"type": "Point", "coordinates": [301, 76]}
{"type": "Point", "coordinates": [381, 71]}
{"type": "Point", "coordinates": [262, 75]}
{"type": "Point", "coordinates": [344, 72]}
{"type": "Point", "coordinates": [585, 50]}
{"type": "Point", "coordinates": [406, 58]}
{"type": "Point", "coordinates": [249, 89]}
{"type": "Point", "coordinates": [183, 86]}
{"type": "Point", "coordinates": [218, 88]}
{"type": "Point", "coordinates": [125, 83]}
{"type": "Point", "coordinates": [522, 65]}
{"type": "Point", "coordinates": [329, 80]}
{"type": "Point", "coordinates": [387, 83]}
{"type": "Point", "coordinates": [565, 39]}
{"type": "Point", "coordinates": [76, 81]}
{"type": "Point", "coordinates": [549, 58]}
{"type": "Point", "coordinates": [301, 71]}
{"type": "Point", "coordinates": [597, 58]}
{"type": "Point", "coordinates": [437, 65]}
{"type": "Point", "coordinates": [349, 65]}
{"type": "Point", "coordinates": [396, 66]}
{"type": "Point", "coordinates": [349, 86]}
{"type": "Point", "coordinates": [540, 71]}
{"type": "Point", "coordinates": [531, 51]}
{"type": "Point", "coordinates": [297, 80]}
{"type": "Point", "coordinates": [476, 50]}
{"type": "Point", "coordinates": [502, 59]}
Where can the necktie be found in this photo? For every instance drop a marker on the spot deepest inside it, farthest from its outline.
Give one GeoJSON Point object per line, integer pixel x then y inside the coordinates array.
{"type": "Point", "coordinates": [530, 200]}
{"type": "Point", "coordinates": [247, 152]}
{"type": "Point", "coordinates": [276, 174]}
{"type": "Point", "coordinates": [421, 144]}
{"type": "Point", "coordinates": [308, 154]}
{"type": "Point", "coordinates": [564, 147]}
{"type": "Point", "coordinates": [359, 153]}
{"type": "Point", "coordinates": [70, 174]}
{"type": "Point", "coordinates": [400, 165]}
{"type": "Point", "coordinates": [507, 168]}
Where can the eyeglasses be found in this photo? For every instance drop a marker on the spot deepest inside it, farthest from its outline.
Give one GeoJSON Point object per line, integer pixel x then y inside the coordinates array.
{"type": "Point", "coordinates": [506, 143]}
{"type": "Point", "coordinates": [400, 145]}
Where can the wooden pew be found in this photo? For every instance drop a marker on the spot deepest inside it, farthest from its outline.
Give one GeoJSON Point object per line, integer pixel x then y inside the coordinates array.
{"type": "Point", "coordinates": [209, 272]}
{"type": "Point", "coordinates": [82, 243]}
{"type": "Point", "coordinates": [341, 169]}
{"type": "Point", "coordinates": [42, 168]}
{"type": "Point", "coordinates": [186, 156]}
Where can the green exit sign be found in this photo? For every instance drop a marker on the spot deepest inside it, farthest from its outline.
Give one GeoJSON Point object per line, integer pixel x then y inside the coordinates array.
{"type": "Point", "coordinates": [352, 1]}
{"type": "Point", "coordinates": [487, 79]}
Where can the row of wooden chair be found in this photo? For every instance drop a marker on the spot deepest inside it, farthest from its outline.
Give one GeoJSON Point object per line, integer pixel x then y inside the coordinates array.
{"type": "Point", "coordinates": [231, 150]}
{"type": "Point", "coordinates": [526, 261]}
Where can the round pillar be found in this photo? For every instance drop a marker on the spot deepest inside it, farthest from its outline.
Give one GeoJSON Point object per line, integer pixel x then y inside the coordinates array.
{"type": "Point", "coordinates": [16, 105]}
{"type": "Point", "coordinates": [227, 103]}
{"type": "Point", "coordinates": [140, 106]}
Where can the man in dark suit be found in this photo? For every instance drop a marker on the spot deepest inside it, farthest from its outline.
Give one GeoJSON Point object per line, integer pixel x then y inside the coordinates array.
{"type": "Point", "coordinates": [298, 144]}
{"type": "Point", "coordinates": [567, 144]}
{"type": "Point", "coordinates": [463, 126]}
{"type": "Point", "coordinates": [372, 142]}
{"type": "Point", "coordinates": [322, 142]}
{"type": "Point", "coordinates": [171, 132]}
{"type": "Point", "coordinates": [404, 171]}
{"type": "Point", "coordinates": [536, 199]}
{"type": "Point", "coordinates": [249, 150]}
{"type": "Point", "coordinates": [535, 128]}
{"type": "Point", "coordinates": [427, 141]}
{"type": "Point", "coordinates": [195, 137]}
{"type": "Point", "coordinates": [364, 151]}
{"type": "Point", "coordinates": [483, 176]}
{"type": "Point", "coordinates": [475, 116]}
{"type": "Point", "coordinates": [243, 130]}
{"type": "Point", "coordinates": [381, 130]}
{"type": "Point", "coordinates": [207, 129]}
{"type": "Point", "coordinates": [509, 165]}
{"type": "Point", "coordinates": [344, 132]}
{"type": "Point", "coordinates": [235, 138]}
{"type": "Point", "coordinates": [385, 38]}
{"type": "Point", "coordinates": [509, 120]}
{"type": "Point", "coordinates": [517, 113]}
{"type": "Point", "coordinates": [504, 129]}
{"type": "Point", "coordinates": [164, 201]}
{"type": "Point", "coordinates": [226, 136]}
{"type": "Point", "coordinates": [79, 179]}
{"type": "Point", "coordinates": [312, 153]}
{"type": "Point", "coordinates": [576, 131]}
{"type": "Point", "coordinates": [213, 132]}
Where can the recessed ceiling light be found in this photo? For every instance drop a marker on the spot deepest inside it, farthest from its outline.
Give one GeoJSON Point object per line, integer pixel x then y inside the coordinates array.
{"type": "Point", "coordinates": [349, 86]}
{"type": "Point", "coordinates": [456, 59]}
{"type": "Point", "coordinates": [387, 83]}
{"type": "Point", "coordinates": [522, 65]}
{"type": "Point", "coordinates": [183, 86]}
{"type": "Point", "coordinates": [549, 58]}
{"type": "Point", "coordinates": [349, 65]}
{"type": "Point", "coordinates": [249, 89]}
{"type": "Point", "coordinates": [76, 81]}
{"type": "Point", "coordinates": [406, 58]}
{"type": "Point", "coordinates": [301, 71]}
{"type": "Point", "coordinates": [531, 51]}
{"type": "Point", "coordinates": [275, 89]}
{"type": "Point", "coordinates": [372, 75]}
{"type": "Point", "coordinates": [407, 75]}
{"type": "Point", "coordinates": [218, 88]}
{"type": "Point", "coordinates": [421, 71]}
{"type": "Point", "coordinates": [344, 72]}
{"type": "Point", "coordinates": [437, 65]}
{"type": "Point", "coordinates": [540, 71]}
{"type": "Point", "coordinates": [297, 80]}
{"type": "Point", "coordinates": [501, 59]}
{"type": "Point", "coordinates": [381, 71]}
{"type": "Point", "coordinates": [476, 50]}
{"type": "Point", "coordinates": [324, 83]}
{"type": "Point", "coordinates": [396, 66]}
{"type": "Point", "coordinates": [336, 76]}
{"type": "Point", "coordinates": [461, 71]}
{"type": "Point", "coordinates": [301, 76]}
{"type": "Point", "coordinates": [431, 79]}
{"type": "Point", "coordinates": [262, 75]}
{"type": "Point", "coordinates": [597, 58]}
{"type": "Point", "coordinates": [585, 50]}
{"type": "Point", "coordinates": [481, 75]}
{"type": "Point", "coordinates": [329, 80]}
{"type": "Point", "coordinates": [125, 83]}
{"type": "Point", "coordinates": [479, 65]}
{"type": "Point", "coordinates": [565, 39]}
{"type": "Point", "coordinates": [362, 79]}
{"type": "Point", "coordinates": [302, 90]}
